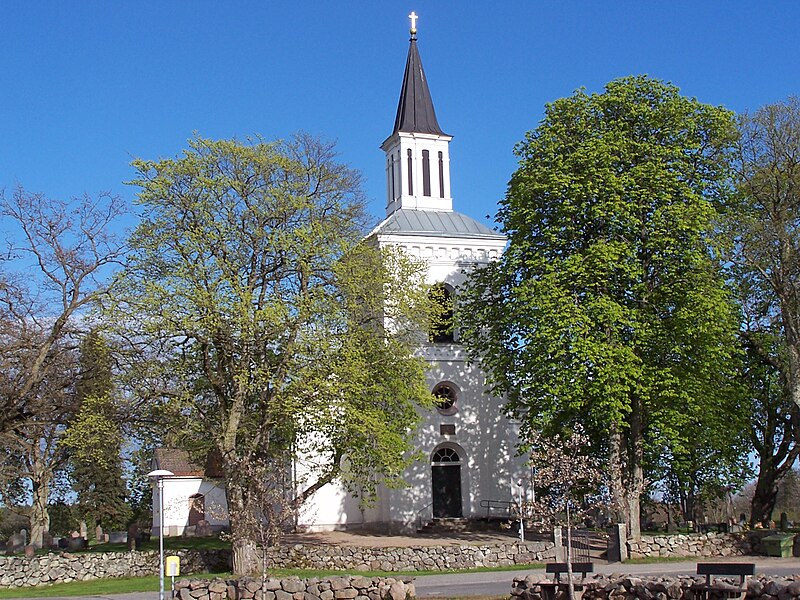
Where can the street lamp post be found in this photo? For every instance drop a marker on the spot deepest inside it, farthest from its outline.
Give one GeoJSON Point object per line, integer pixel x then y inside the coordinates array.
{"type": "Point", "coordinates": [521, 513]}
{"type": "Point", "coordinates": [159, 475]}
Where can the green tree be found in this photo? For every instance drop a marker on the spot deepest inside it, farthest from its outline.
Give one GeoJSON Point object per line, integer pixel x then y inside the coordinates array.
{"type": "Point", "coordinates": [266, 328]}
{"type": "Point", "coordinates": [774, 423]}
{"type": "Point", "coordinates": [764, 226]}
{"type": "Point", "coordinates": [94, 440]}
{"type": "Point", "coordinates": [608, 306]}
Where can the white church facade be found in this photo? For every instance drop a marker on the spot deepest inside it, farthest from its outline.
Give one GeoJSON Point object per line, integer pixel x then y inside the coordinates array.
{"type": "Point", "coordinates": [470, 469]}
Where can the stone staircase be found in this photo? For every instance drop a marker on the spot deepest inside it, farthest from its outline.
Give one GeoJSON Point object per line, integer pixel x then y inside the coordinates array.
{"type": "Point", "coordinates": [442, 526]}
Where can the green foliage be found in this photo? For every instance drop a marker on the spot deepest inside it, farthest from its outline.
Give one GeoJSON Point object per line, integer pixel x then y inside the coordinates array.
{"type": "Point", "coordinates": [264, 327]}
{"type": "Point", "coordinates": [94, 441]}
{"type": "Point", "coordinates": [763, 227]}
{"type": "Point", "coordinates": [608, 306]}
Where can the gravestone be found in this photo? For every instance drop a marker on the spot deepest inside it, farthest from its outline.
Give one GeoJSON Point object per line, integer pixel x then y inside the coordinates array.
{"type": "Point", "coordinates": [117, 537]}
{"type": "Point", "coordinates": [203, 529]}
{"type": "Point", "coordinates": [24, 534]}
{"type": "Point", "coordinates": [47, 540]}
{"type": "Point", "coordinates": [784, 521]}
{"type": "Point", "coordinates": [84, 530]}
{"type": "Point", "coordinates": [30, 551]}
{"type": "Point", "coordinates": [98, 534]}
{"type": "Point", "coordinates": [76, 543]}
{"type": "Point", "coordinates": [15, 543]}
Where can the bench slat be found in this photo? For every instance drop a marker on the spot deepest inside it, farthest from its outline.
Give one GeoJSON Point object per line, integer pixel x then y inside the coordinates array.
{"type": "Point", "coordinates": [741, 569]}
{"type": "Point", "coordinates": [581, 567]}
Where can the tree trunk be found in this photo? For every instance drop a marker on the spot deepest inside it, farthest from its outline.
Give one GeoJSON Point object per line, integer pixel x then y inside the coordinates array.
{"type": "Point", "coordinates": [246, 560]}
{"type": "Point", "coordinates": [570, 584]}
{"type": "Point", "coordinates": [39, 516]}
{"type": "Point", "coordinates": [244, 548]}
{"type": "Point", "coordinates": [765, 494]}
{"type": "Point", "coordinates": [40, 484]}
{"type": "Point", "coordinates": [626, 476]}
{"type": "Point", "coordinates": [616, 486]}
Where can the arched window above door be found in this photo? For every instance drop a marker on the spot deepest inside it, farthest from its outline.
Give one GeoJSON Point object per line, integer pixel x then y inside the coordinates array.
{"type": "Point", "coordinates": [445, 454]}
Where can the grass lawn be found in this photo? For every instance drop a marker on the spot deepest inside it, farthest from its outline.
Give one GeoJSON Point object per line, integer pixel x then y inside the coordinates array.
{"type": "Point", "coordinates": [150, 584]}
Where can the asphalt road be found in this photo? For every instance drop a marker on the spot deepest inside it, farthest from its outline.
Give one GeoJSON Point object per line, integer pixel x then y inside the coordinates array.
{"type": "Point", "coordinates": [498, 583]}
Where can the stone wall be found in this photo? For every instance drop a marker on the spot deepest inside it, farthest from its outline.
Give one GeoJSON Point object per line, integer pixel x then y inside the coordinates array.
{"type": "Point", "coordinates": [658, 588]}
{"type": "Point", "coordinates": [415, 558]}
{"type": "Point", "coordinates": [18, 571]}
{"type": "Point", "coordinates": [334, 588]}
{"type": "Point", "coordinates": [698, 544]}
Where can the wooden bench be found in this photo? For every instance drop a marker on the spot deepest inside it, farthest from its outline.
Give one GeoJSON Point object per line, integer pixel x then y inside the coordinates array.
{"type": "Point", "coordinates": [550, 589]}
{"type": "Point", "coordinates": [713, 589]}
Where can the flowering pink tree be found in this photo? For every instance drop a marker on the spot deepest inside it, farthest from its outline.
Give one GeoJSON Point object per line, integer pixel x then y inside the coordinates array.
{"type": "Point", "coordinates": [569, 482]}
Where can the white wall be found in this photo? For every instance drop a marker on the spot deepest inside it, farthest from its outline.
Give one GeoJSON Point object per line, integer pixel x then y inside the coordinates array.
{"type": "Point", "coordinates": [177, 491]}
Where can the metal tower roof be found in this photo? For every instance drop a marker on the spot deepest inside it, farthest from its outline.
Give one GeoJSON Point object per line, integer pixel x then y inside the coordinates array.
{"type": "Point", "coordinates": [415, 112]}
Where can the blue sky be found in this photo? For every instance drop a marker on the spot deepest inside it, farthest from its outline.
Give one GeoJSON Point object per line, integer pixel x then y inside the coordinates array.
{"type": "Point", "coordinates": [87, 86]}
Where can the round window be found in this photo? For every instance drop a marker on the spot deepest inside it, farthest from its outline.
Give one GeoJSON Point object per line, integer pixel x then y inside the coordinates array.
{"type": "Point", "coordinates": [445, 396]}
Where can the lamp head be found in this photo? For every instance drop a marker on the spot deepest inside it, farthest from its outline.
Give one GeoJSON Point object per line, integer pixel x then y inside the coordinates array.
{"type": "Point", "coordinates": [160, 473]}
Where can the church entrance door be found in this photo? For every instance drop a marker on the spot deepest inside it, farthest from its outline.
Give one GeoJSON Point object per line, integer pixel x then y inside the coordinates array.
{"type": "Point", "coordinates": [446, 480]}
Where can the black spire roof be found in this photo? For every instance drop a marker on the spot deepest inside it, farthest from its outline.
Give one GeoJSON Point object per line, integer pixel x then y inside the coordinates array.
{"type": "Point", "coordinates": [415, 112]}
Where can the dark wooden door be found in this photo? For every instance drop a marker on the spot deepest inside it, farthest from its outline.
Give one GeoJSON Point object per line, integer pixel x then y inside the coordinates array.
{"type": "Point", "coordinates": [446, 491]}
{"type": "Point", "coordinates": [197, 509]}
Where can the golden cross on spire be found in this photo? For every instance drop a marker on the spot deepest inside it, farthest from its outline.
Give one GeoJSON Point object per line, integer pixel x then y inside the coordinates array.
{"type": "Point", "coordinates": [413, 16]}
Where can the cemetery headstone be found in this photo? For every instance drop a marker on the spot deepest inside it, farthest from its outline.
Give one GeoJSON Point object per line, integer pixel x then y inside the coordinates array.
{"type": "Point", "coordinates": [98, 534]}
{"type": "Point", "coordinates": [84, 530]}
{"type": "Point", "coordinates": [75, 543]}
{"type": "Point", "coordinates": [784, 521]}
{"type": "Point", "coordinates": [30, 551]}
{"type": "Point", "coordinates": [203, 529]}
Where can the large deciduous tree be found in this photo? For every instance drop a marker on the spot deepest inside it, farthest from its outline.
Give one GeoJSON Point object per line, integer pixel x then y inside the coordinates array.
{"type": "Point", "coordinates": [764, 225]}
{"type": "Point", "coordinates": [608, 306]}
{"type": "Point", "coordinates": [59, 257]}
{"type": "Point", "coordinates": [267, 329]}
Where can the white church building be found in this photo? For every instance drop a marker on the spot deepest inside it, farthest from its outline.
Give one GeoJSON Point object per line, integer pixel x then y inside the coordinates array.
{"type": "Point", "coordinates": [471, 468]}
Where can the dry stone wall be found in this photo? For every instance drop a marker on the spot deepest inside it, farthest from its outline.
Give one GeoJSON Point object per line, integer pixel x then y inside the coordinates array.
{"type": "Point", "coordinates": [659, 588]}
{"type": "Point", "coordinates": [699, 544]}
{"type": "Point", "coordinates": [334, 588]}
{"type": "Point", "coordinates": [19, 571]}
{"type": "Point", "coordinates": [415, 558]}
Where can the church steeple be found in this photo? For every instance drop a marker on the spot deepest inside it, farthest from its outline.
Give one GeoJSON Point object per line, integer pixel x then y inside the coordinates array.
{"type": "Point", "coordinates": [415, 113]}
{"type": "Point", "coordinates": [417, 152]}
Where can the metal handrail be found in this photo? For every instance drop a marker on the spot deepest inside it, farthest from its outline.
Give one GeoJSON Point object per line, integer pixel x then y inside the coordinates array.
{"type": "Point", "coordinates": [498, 504]}
{"type": "Point", "coordinates": [420, 514]}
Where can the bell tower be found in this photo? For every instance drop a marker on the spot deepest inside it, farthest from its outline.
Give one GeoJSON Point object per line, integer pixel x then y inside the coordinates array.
{"type": "Point", "coordinates": [418, 151]}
